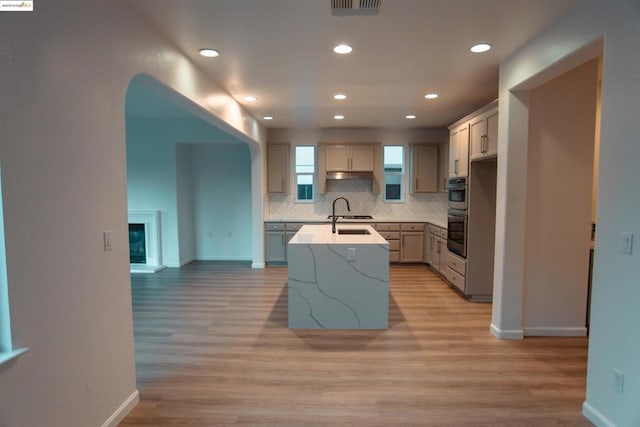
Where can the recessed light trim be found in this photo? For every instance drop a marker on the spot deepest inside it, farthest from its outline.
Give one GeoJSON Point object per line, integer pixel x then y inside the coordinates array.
{"type": "Point", "coordinates": [268, 117]}
{"type": "Point", "coordinates": [209, 53]}
{"type": "Point", "coordinates": [250, 98]}
{"type": "Point", "coordinates": [342, 49]}
{"type": "Point", "coordinates": [338, 117]}
{"type": "Point", "coordinates": [339, 96]}
{"type": "Point", "coordinates": [480, 47]}
{"type": "Point", "coordinates": [431, 96]}
{"type": "Point", "coordinates": [410, 116]}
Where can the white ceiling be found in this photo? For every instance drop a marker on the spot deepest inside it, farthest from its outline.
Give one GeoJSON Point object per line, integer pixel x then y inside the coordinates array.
{"type": "Point", "coordinates": [281, 52]}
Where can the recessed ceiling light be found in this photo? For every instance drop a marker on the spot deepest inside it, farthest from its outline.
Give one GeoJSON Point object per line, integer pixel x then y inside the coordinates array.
{"type": "Point", "coordinates": [480, 47]}
{"type": "Point", "coordinates": [342, 49]}
{"type": "Point", "coordinates": [268, 117]}
{"type": "Point", "coordinates": [431, 96]}
{"type": "Point", "coordinates": [339, 96]}
{"type": "Point", "coordinates": [250, 98]}
{"type": "Point", "coordinates": [338, 117]}
{"type": "Point", "coordinates": [410, 116]}
{"type": "Point", "coordinates": [209, 53]}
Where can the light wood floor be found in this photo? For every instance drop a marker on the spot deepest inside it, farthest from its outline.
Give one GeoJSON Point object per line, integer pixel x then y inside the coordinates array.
{"type": "Point", "coordinates": [213, 348]}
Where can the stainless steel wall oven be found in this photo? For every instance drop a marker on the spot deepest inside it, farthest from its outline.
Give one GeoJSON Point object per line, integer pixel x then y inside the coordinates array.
{"type": "Point", "coordinates": [457, 232]}
{"type": "Point", "coordinates": [457, 216]}
{"type": "Point", "coordinates": [457, 193]}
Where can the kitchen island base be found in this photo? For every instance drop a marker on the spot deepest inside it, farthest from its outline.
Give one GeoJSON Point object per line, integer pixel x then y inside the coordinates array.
{"type": "Point", "coordinates": [338, 281]}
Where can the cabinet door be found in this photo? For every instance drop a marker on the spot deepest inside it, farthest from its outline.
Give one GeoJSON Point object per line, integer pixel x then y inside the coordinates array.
{"type": "Point", "coordinates": [443, 167]}
{"type": "Point", "coordinates": [437, 251]}
{"type": "Point", "coordinates": [337, 157]}
{"type": "Point", "coordinates": [453, 152]}
{"type": "Point", "coordinates": [278, 168]}
{"type": "Point", "coordinates": [463, 152]}
{"type": "Point", "coordinates": [477, 129]}
{"type": "Point", "coordinates": [429, 249]}
{"type": "Point", "coordinates": [362, 158]}
{"type": "Point", "coordinates": [276, 245]}
{"type": "Point", "coordinates": [491, 139]}
{"type": "Point", "coordinates": [425, 168]}
{"type": "Point", "coordinates": [411, 246]}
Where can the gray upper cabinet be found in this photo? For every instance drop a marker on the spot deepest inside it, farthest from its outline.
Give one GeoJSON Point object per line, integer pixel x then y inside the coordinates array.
{"type": "Point", "coordinates": [459, 150]}
{"type": "Point", "coordinates": [425, 168]}
{"type": "Point", "coordinates": [357, 158]}
{"type": "Point", "coordinates": [278, 168]}
{"type": "Point", "coordinates": [483, 134]}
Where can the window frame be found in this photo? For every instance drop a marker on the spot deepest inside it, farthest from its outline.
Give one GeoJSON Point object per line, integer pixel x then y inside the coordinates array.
{"type": "Point", "coordinates": [297, 174]}
{"type": "Point", "coordinates": [400, 174]}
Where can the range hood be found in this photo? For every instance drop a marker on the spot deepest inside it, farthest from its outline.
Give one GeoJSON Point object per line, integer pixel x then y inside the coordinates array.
{"type": "Point", "coordinates": [350, 175]}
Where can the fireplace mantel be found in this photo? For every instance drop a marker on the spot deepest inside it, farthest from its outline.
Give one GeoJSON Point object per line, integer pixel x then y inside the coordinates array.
{"type": "Point", "coordinates": [153, 248]}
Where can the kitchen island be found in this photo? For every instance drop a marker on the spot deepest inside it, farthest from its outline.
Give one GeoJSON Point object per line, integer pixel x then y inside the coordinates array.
{"type": "Point", "coordinates": [338, 281]}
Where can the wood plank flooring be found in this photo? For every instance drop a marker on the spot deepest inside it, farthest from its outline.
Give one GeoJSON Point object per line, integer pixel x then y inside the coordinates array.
{"type": "Point", "coordinates": [213, 348]}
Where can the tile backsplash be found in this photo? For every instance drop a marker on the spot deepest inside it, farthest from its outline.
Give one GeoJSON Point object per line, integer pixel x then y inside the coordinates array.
{"type": "Point", "coordinates": [424, 207]}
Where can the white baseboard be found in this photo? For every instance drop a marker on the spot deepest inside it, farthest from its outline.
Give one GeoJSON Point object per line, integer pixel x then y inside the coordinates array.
{"type": "Point", "coordinates": [258, 265]}
{"type": "Point", "coordinates": [186, 261]}
{"type": "Point", "coordinates": [222, 258]}
{"type": "Point", "coordinates": [144, 268]}
{"type": "Point", "coordinates": [514, 334]}
{"type": "Point", "coordinates": [123, 410]}
{"type": "Point", "coordinates": [556, 332]}
{"type": "Point", "coordinates": [595, 416]}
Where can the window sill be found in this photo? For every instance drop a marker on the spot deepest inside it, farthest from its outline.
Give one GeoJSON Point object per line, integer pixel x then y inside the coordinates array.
{"type": "Point", "coordinates": [12, 355]}
{"type": "Point", "coordinates": [304, 201]}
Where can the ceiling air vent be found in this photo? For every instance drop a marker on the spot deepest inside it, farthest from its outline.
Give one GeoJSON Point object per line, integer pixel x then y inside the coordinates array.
{"type": "Point", "coordinates": [355, 7]}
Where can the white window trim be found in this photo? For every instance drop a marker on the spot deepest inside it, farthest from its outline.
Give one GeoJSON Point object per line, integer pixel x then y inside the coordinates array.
{"type": "Point", "coordinates": [314, 175]}
{"type": "Point", "coordinates": [403, 176]}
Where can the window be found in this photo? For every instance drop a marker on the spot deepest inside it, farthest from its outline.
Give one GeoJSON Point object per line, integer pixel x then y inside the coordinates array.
{"type": "Point", "coordinates": [393, 173]}
{"type": "Point", "coordinates": [305, 169]}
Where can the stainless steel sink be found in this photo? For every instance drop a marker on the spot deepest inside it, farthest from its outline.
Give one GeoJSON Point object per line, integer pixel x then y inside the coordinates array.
{"type": "Point", "coordinates": [353, 231]}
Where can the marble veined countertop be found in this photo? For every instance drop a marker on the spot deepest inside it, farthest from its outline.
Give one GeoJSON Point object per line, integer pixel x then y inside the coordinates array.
{"type": "Point", "coordinates": [441, 224]}
{"type": "Point", "coordinates": [321, 234]}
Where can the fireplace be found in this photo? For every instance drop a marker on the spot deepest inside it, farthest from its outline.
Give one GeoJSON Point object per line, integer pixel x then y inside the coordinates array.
{"type": "Point", "coordinates": [137, 244]}
{"type": "Point", "coordinates": [145, 252]}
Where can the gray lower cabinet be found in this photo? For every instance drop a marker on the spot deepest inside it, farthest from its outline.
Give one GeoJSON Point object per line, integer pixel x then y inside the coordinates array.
{"type": "Point", "coordinates": [436, 248]}
{"type": "Point", "coordinates": [275, 242]}
{"type": "Point", "coordinates": [277, 235]}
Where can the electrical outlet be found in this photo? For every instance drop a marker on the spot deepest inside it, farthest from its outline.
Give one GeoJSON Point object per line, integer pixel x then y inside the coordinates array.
{"type": "Point", "coordinates": [618, 380]}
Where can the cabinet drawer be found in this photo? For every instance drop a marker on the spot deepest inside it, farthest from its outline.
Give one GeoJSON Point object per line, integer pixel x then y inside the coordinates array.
{"type": "Point", "coordinates": [457, 264]}
{"type": "Point", "coordinates": [390, 235]}
{"type": "Point", "coordinates": [388, 226]}
{"type": "Point", "coordinates": [293, 226]}
{"type": "Point", "coordinates": [412, 227]}
{"type": "Point", "coordinates": [394, 245]}
{"type": "Point", "coordinates": [394, 256]}
{"type": "Point", "coordinates": [443, 233]}
{"type": "Point", "coordinates": [271, 226]}
{"type": "Point", "coordinates": [454, 278]}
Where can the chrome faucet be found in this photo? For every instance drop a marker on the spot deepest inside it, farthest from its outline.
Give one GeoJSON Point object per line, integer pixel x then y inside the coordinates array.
{"type": "Point", "coordinates": [334, 218]}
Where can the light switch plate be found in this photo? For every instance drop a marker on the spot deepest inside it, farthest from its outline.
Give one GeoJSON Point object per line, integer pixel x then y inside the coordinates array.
{"type": "Point", "coordinates": [108, 243]}
{"type": "Point", "coordinates": [626, 245]}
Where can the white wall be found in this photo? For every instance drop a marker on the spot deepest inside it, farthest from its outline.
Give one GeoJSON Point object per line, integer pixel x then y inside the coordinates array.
{"type": "Point", "coordinates": [562, 116]}
{"type": "Point", "coordinates": [222, 197]}
{"type": "Point", "coordinates": [431, 207]}
{"type": "Point", "coordinates": [64, 72]}
{"type": "Point", "coordinates": [185, 204]}
{"type": "Point", "coordinates": [616, 294]}
{"type": "Point", "coordinates": [151, 180]}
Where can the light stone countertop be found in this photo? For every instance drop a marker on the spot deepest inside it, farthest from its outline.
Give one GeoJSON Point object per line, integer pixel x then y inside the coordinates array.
{"type": "Point", "coordinates": [321, 234]}
{"type": "Point", "coordinates": [441, 224]}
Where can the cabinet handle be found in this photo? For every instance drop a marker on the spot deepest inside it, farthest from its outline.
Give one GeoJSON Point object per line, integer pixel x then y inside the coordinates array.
{"type": "Point", "coordinates": [416, 188]}
{"type": "Point", "coordinates": [455, 166]}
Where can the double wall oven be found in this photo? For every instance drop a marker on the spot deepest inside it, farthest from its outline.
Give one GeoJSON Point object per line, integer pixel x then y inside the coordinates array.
{"type": "Point", "coordinates": [457, 216]}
